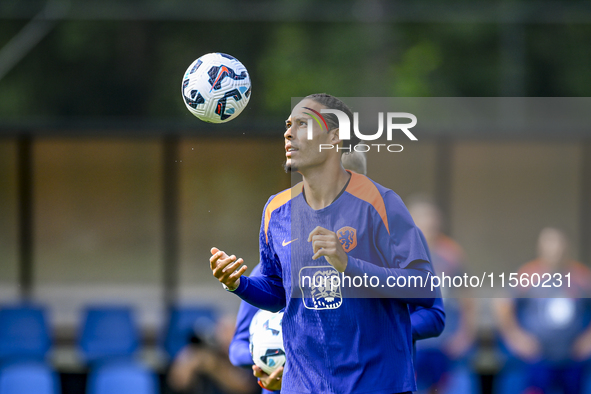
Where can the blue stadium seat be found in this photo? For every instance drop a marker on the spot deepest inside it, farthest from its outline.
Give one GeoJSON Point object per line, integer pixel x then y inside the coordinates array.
{"type": "Point", "coordinates": [108, 332]}
{"type": "Point", "coordinates": [28, 378]}
{"type": "Point", "coordinates": [122, 378]}
{"type": "Point", "coordinates": [24, 333]}
{"type": "Point", "coordinates": [183, 322]}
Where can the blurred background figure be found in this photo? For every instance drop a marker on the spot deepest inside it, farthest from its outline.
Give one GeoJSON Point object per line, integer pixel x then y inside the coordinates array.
{"type": "Point", "coordinates": [548, 328]}
{"type": "Point", "coordinates": [203, 366]}
{"type": "Point", "coordinates": [442, 363]}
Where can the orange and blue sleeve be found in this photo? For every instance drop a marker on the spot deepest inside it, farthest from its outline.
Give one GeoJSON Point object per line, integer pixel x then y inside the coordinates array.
{"type": "Point", "coordinates": [402, 244]}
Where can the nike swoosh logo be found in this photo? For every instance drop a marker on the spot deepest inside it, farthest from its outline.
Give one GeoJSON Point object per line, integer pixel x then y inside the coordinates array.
{"type": "Point", "coordinates": [287, 243]}
{"type": "Point", "coordinates": [222, 70]}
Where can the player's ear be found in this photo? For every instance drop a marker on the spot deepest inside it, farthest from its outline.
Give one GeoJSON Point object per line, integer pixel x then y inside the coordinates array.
{"type": "Point", "coordinates": [334, 136]}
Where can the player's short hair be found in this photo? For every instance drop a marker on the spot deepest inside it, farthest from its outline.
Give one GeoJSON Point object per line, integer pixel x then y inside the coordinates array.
{"type": "Point", "coordinates": [331, 102]}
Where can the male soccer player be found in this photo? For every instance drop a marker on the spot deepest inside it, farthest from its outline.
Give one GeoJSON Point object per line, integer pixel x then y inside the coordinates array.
{"type": "Point", "coordinates": [335, 340]}
{"type": "Point", "coordinates": [426, 322]}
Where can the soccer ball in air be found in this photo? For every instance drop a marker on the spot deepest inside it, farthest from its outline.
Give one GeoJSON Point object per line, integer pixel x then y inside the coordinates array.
{"type": "Point", "coordinates": [216, 87]}
{"type": "Point", "coordinates": [266, 340]}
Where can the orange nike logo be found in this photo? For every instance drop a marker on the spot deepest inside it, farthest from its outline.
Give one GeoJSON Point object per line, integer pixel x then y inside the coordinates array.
{"type": "Point", "coordinates": [287, 243]}
{"type": "Point", "coordinates": [222, 70]}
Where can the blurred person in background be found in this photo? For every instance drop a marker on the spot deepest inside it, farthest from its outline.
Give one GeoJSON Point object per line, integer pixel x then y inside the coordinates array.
{"type": "Point", "coordinates": [552, 335]}
{"type": "Point", "coordinates": [203, 367]}
{"type": "Point", "coordinates": [442, 362]}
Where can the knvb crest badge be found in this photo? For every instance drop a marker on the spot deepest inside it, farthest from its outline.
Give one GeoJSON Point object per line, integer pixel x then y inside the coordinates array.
{"type": "Point", "coordinates": [348, 237]}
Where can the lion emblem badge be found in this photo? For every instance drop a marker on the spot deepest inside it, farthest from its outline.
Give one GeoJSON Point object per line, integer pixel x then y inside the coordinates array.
{"type": "Point", "coordinates": [348, 237]}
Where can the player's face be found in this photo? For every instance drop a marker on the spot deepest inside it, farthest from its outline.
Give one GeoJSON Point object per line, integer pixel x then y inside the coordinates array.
{"type": "Point", "coordinates": [300, 152]}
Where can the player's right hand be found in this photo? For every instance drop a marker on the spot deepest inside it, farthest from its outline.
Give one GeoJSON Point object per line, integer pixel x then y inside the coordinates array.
{"type": "Point", "coordinates": [226, 268]}
{"type": "Point", "coordinates": [270, 382]}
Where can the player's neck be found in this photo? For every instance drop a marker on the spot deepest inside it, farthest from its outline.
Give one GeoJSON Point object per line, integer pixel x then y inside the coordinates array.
{"type": "Point", "coordinates": [322, 186]}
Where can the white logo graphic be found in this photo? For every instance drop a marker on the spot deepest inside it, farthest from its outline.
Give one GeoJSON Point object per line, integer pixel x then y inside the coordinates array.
{"type": "Point", "coordinates": [345, 125]}
{"type": "Point", "coordinates": [321, 288]}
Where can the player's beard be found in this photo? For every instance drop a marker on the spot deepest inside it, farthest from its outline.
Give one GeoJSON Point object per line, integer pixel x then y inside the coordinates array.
{"type": "Point", "coordinates": [289, 168]}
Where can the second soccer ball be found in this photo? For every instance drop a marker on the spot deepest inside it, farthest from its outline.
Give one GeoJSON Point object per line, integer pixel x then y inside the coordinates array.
{"type": "Point", "coordinates": [266, 340]}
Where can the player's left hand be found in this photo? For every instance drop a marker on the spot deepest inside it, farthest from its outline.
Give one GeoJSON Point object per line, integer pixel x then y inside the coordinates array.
{"type": "Point", "coordinates": [326, 243]}
{"type": "Point", "coordinates": [270, 382]}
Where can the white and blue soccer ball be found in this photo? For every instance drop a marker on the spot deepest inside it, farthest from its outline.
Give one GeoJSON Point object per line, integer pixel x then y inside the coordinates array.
{"type": "Point", "coordinates": [266, 340]}
{"type": "Point", "coordinates": [216, 87]}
